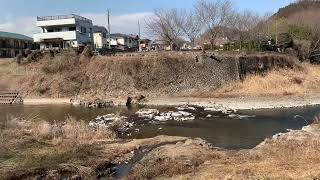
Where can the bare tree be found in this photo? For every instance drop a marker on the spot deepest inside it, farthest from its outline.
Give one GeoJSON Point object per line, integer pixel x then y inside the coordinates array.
{"type": "Point", "coordinates": [214, 15]}
{"type": "Point", "coordinates": [244, 23]}
{"type": "Point", "coordinates": [164, 24]}
{"type": "Point", "coordinates": [189, 24]}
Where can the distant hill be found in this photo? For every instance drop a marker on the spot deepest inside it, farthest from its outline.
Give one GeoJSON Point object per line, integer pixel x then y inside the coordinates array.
{"type": "Point", "coordinates": [298, 8]}
{"type": "Point", "coordinates": [304, 13]}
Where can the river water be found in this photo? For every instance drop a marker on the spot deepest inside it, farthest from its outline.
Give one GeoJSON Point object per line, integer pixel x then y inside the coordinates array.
{"type": "Point", "coordinates": [220, 130]}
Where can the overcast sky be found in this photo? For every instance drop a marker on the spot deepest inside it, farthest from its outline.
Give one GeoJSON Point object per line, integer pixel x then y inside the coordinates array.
{"type": "Point", "coordinates": [20, 15]}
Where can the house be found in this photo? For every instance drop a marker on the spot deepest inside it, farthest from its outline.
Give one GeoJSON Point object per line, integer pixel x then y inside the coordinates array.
{"type": "Point", "coordinates": [186, 46]}
{"type": "Point", "coordinates": [12, 44]}
{"type": "Point", "coordinates": [145, 44]}
{"type": "Point", "coordinates": [64, 31]}
{"type": "Point", "coordinates": [159, 45]}
{"type": "Point", "coordinates": [124, 42]}
{"type": "Point", "coordinates": [100, 38]}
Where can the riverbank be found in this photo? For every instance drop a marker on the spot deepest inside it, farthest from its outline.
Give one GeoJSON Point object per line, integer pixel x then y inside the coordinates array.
{"type": "Point", "coordinates": [236, 103]}
{"type": "Point", "coordinates": [32, 149]}
{"type": "Point", "coordinates": [46, 101]}
{"type": "Point", "coordinates": [240, 103]}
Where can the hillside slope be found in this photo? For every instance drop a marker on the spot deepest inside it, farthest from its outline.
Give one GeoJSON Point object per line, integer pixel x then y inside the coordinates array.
{"type": "Point", "coordinates": [304, 13]}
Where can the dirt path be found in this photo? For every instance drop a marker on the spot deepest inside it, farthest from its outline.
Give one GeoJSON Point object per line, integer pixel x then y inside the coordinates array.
{"type": "Point", "coordinates": [238, 103]}
{"type": "Point", "coordinates": [43, 101]}
{"type": "Point", "coordinates": [241, 103]}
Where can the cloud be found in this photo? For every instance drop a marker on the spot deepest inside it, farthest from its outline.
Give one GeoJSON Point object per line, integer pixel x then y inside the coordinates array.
{"type": "Point", "coordinates": [25, 25]}
{"type": "Point", "coordinates": [126, 23]}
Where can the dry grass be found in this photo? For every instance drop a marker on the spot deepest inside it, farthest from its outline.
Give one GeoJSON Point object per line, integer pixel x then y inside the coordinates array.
{"type": "Point", "coordinates": [294, 155]}
{"type": "Point", "coordinates": [279, 82]}
{"type": "Point", "coordinates": [31, 148]}
{"type": "Point", "coordinates": [10, 72]}
{"type": "Point", "coordinates": [27, 145]}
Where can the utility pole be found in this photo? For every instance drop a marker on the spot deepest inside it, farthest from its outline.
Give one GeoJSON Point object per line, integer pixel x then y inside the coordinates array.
{"type": "Point", "coordinates": [139, 40]}
{"type": "Point", "coordinates": [109, 33]}
{"type": "Point", "coordinates": [276, 32]}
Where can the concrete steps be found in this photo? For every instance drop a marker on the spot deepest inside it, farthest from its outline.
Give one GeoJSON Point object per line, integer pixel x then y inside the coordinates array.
{"type": "Point", "coordinates": [10, 97]}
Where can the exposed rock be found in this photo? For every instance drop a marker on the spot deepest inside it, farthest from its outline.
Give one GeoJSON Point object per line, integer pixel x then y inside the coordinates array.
{"type": "Point", "coordinates": [221, 109]}
{"type": "Point", "coordinates": [177, 116]}
{"type": "Point", "coordinates": [135, 100]}
{"type": "Point", "coordinates": [183, 108]}
{"type": "Point", "coordinates": [148, 113]}
{"type": "Point", "coordinates": [111, 120]}
{"type": "Point", "coordinates": [238, 116]}
{"type": "Point", "coordinates": [98, 104]}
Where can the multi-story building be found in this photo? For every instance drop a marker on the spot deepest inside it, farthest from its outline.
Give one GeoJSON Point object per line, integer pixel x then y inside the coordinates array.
{"type": "Point", "coordinates": [100, 38]}
{"type": "Point", "coordinates": [64, 31]}
{"type": "Point", "coordinates": [12, 44]}
{"type": "Point", "coordinates": [124, 42]}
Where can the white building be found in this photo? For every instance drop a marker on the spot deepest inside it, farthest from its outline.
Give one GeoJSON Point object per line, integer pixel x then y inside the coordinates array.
{"type": "Point", "coordinates": [100, 39]}
{"type": "Point", "coordinates": [124, 42]}
{"type": "Point", "coordinates": [64, 31]}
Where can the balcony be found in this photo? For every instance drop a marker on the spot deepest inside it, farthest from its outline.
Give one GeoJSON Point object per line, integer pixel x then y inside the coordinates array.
{"type": "Point", "coordinates": [67, 35]}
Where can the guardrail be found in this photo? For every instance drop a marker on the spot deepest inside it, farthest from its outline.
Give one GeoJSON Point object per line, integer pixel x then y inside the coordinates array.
{"type": "Point", "coordinates": [71, 16]}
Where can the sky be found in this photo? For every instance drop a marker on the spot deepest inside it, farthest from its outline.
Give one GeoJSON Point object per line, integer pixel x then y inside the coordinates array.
{"type": "Point", "coordinates": [19, 16]}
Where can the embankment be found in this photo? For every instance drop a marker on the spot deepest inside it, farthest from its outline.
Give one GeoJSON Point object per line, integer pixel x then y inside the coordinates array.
{"type": "Point", "coordinates": [69, 74]}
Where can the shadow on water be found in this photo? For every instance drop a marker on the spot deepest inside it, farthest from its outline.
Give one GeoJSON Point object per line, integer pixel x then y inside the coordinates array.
{"type": "Point", "coordinates": [220, 130]}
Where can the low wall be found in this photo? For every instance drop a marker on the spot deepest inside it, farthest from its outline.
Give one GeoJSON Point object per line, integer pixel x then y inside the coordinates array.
{"type": "Point", "coordinates": [162, 74]}
{"type": "Point", "coordinates": [262, 63]}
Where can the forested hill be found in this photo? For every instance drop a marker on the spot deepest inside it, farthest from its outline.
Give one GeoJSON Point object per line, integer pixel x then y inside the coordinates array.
{"type": "Point", "coordinates": [298, 7]}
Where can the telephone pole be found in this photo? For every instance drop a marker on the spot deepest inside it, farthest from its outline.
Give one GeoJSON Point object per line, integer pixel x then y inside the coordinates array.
{"type": "Point", "coordinates": [276, 32]}
{"type": "Point", "coordinates": [109, 34]}
{"type": "Point", "coordinates": [139, 40]}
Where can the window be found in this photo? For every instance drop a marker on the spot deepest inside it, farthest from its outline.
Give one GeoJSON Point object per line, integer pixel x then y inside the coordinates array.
{"type": "Point", "coordinates": [72, 28]}
{"type": "Point", "coordinates": [104, 35]}
{"type": "Point", "coordinates": [83, 30]}
{"type": "Point", "coordinates": [57, 29]}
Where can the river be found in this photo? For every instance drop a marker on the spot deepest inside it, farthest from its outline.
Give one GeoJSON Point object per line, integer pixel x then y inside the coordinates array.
{"type": "Point", "coordinates": [220, 130]}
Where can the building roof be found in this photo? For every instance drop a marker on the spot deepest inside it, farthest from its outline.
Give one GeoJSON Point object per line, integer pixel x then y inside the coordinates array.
{"type": "Point", "coordinates": [145, 40]}
{"type": "Point", "coordinates": [119, 35]}
{"type": "Point", "coordinates": [14, 36]}
{"type": "Point", "coordinates": [97, 29]}
{"type": "Point", "coordinates": [58, 17]}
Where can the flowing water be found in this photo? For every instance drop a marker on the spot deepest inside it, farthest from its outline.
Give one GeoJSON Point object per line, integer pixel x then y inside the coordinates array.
{"type": "Point", "coordinates": [220, 130]}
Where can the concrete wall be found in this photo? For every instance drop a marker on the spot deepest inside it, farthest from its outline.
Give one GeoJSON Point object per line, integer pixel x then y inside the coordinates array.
{"type": "Point", "coordinates": [163, 74]}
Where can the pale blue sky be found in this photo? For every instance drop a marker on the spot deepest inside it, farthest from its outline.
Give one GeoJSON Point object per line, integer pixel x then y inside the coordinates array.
{"type": "Point", "coordinates": [47, 7]}
{"type": "Point", "coordinates": [19, 15]}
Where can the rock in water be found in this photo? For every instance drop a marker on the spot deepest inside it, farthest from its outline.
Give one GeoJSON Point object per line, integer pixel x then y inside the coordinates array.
{"type": "Point", "coordinates": [147, 113]}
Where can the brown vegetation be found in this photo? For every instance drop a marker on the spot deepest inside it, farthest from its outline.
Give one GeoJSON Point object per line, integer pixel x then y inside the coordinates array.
{"type": "Point", "coordinates": [66, 74]}
{"type": "Point", "coordinates": [281, 82]}
{"type": "Point", "coordinates": [290, 156]}
{"type": "Point", "coordinates": [32, 148]}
